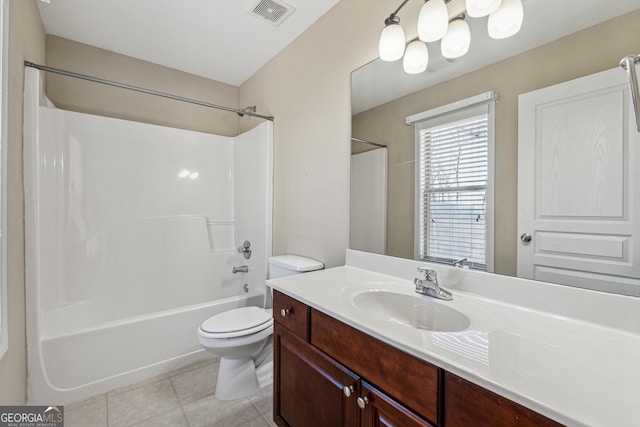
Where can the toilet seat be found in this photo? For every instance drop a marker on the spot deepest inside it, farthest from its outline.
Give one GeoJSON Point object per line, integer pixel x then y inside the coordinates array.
{"type": "Point", "coordinates": [237, 322]}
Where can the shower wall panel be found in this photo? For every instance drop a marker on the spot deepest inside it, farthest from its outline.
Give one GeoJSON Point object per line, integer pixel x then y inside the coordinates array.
{"type": "Point", "coordinates": [131, 237]}
{"type": "Point", "coordinates": [130, 207]}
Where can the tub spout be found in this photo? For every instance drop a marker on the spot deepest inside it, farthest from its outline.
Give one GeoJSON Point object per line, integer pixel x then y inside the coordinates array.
{"type": "Point", "coordinates": [241, 269]}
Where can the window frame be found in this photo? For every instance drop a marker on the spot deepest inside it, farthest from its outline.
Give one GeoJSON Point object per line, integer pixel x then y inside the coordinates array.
{"type": "Point", "coordinates": [4, 55]}
{"type": "Point", "coordinates": [479, 104]}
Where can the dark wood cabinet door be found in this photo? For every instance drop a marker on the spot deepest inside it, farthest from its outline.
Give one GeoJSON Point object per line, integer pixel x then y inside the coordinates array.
{"type": "Point", "coordinates": [309, 386]}
{"type": "Point", "coordinates": [467, 404]}
{"type": "Point", "coordinates": [379, 410]}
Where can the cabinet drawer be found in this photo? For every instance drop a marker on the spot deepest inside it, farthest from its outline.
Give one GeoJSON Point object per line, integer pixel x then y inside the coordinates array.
{"type": "Point", "coordinates": [405, 378]}
{"type": "Point", "coordinates": [467, 404]}
{"type": "Point", "coordinates": [292, 314]}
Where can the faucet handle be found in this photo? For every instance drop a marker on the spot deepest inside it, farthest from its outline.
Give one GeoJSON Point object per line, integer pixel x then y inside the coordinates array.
{"type": "Point", "coordinates": [245, 249]}
{"type": "Point", "coordinates": [429, 274]}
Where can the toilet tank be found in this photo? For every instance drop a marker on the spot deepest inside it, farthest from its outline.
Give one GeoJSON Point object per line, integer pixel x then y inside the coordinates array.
{"type": "Point", "coordinates": [287, 265]}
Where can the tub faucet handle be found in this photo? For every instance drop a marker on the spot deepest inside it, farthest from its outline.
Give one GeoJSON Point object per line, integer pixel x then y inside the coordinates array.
{"type": "Point", "coordinates": [245, 249]}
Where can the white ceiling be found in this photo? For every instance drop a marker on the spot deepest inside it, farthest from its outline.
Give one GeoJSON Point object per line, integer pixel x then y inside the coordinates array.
{"type": "Point", "coordinates": [544, 21]}
{"type": "Point", "coordinates": [218, 39]}
{"type": "Point", "coordinates": [222, 40]}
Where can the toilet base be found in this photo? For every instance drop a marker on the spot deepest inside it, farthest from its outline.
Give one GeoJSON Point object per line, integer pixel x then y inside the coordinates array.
{"type": "Point", "coordinates": [265, 374]}
{"type": "Point", "coordinates": [238, 378]}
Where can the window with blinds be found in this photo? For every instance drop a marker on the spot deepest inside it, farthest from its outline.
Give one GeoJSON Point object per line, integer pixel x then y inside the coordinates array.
{"type": "Point", "coordinates": [452, 178]}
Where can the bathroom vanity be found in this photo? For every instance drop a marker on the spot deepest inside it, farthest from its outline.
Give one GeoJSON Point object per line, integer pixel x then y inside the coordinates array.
{"type": "Point", "coordinates": [330, 372]}
{"type": "Point", "coordinates": [352, 349]}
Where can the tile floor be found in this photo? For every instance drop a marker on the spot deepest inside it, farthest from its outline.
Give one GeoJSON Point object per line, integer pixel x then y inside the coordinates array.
{"type": "Point", "coordinates": [183, 398]}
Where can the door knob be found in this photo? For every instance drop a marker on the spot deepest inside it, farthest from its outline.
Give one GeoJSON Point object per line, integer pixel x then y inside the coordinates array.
{"type": "Point", "coordinates": [525, 237]}
{"type": "Point", "coordinates": [284, 312]}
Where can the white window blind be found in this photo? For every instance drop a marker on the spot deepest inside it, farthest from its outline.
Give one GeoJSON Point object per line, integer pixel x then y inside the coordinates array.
{"type": "Point", "coordinates": [452, 182]}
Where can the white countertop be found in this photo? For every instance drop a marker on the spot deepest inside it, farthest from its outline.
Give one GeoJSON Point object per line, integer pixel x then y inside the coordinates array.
{"type": "Point", "coordinates": [574, 370]}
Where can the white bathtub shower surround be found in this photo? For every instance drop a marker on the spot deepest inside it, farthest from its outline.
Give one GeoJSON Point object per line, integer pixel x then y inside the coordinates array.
{"type": "Point", "coordinates": [131, 237]}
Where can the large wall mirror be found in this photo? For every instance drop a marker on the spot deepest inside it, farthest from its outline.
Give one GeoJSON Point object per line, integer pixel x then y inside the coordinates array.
{"type": "Point", "coordinates": [559, 41]}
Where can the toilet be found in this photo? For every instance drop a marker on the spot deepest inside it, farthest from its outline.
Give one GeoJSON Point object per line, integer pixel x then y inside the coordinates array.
{"type": "Point", "coordinates": [243, 337]}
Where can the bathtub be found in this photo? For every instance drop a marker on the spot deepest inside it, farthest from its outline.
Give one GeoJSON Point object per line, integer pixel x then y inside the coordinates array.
{"type": "Point", "coordinates": [108, 356]}
{"type": "Point", "coordinates": [131, 237]}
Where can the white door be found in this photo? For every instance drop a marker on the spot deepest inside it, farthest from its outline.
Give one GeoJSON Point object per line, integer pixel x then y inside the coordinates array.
{"type": "Point", "coordinates": [368, 226]}
{"type": "Point", "coordinates": [578, 201]}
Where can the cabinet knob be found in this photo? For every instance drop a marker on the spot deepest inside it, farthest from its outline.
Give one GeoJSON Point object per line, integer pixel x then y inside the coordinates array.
{"type": "Point", "coordinates": [284, 312]}
{"type": "Point", "coordinates": [362, 402]}
{"type": "Point", "coordinates": [347, 390]}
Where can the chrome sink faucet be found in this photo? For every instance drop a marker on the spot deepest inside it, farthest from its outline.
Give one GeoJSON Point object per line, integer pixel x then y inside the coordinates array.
{"type": "Point", "coordinates": [460, 262]}
{"type": "Point", "coordinates": [428, 285]}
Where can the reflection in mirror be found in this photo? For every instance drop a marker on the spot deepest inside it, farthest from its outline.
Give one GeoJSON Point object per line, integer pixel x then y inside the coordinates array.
{"type": "Point", "coordinates": [453, 199]}
{"type": "Point", "coordinates": [368, 231]}
{"type": "Point", "coordinates": [550, 49]}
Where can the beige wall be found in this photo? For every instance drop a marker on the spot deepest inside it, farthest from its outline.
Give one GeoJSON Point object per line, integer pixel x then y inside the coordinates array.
{"type": "Point", "coordinates": [307, 88]}
{"type": "Point", "coordinates": [26, 42]}
{"type": "Point", "coordinates": [553, 63]}
{"type": "Point", "coordinates": [87, 97]}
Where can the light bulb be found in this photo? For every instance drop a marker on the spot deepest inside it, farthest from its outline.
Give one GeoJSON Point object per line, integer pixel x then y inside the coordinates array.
{"type": "Point", "coordinates": [391, 46]}
{"type": "Point", "coordinates": [479, 8]}
{"type": "Point", "coordinates": [416, 58]}
{"type": "Point", "coordinates": [457, 40]}
{"type": "Point", "coordinates": [433, 21]}
{"type": "Point", "coordinates": [507, 20]}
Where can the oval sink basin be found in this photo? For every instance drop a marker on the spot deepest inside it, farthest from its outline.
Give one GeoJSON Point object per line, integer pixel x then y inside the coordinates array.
{"type": "Point", "coordinates": [412, 311]}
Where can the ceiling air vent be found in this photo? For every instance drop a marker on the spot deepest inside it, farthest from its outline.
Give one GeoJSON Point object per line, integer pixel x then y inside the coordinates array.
{"type": "Point", "coordinates": [273, 11]}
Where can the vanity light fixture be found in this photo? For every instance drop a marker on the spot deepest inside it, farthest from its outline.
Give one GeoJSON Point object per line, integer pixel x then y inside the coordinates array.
{"type": "Point", "coordinates": [416, 58]}
{"type": "Point", "coordinates": [433, 21]}
{"type": "Point", "coordinates": [392, 41]}
{"type": "Point", "coordinates": [505, 19]}
{"type": "Point", "coordinates": [457, 40]}
{"type": "Point", "coordinates": [480, 8]}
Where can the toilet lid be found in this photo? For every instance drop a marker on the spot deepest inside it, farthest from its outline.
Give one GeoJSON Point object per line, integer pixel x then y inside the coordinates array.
{"type": "Point", "coordinates": [237, 322]}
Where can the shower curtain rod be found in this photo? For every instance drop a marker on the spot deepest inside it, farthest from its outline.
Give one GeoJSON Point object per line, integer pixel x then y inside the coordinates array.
{"type": "Point", "coordinates": [364, 141]}
{"type": "Point", "coordinates": [147, 91]}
